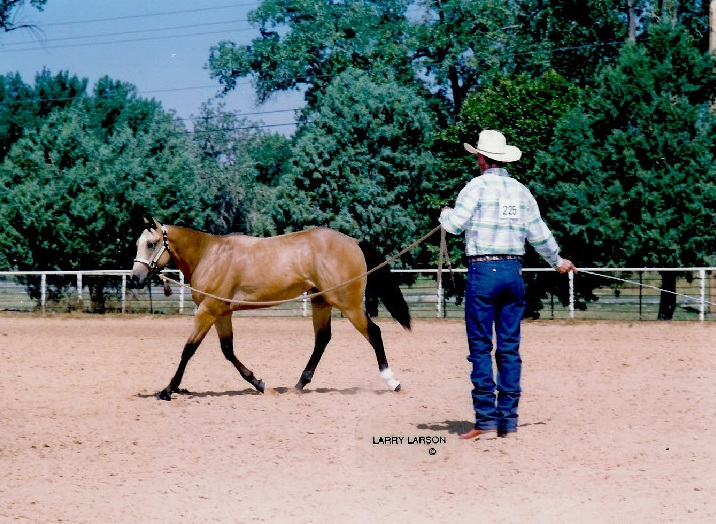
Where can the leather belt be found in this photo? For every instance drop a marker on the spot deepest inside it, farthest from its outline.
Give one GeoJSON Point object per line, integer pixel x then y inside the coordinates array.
{"type": "Point", "coordinates": [492, 258]}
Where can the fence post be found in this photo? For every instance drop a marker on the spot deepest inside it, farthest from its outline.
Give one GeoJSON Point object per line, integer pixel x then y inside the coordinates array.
{"type": "Point", "coordinates": [124, 292]}
{"type": "Point", "coordinates": [702, 306]}
{"type": "Point", "coordinates": [641, 295]}
{"type": "Point", "coordinates": [79, 291]}
{"type": "Point", "coordinates": [43, 291]}
{"type": "Point", "coordinates": [571, 294]}
{"type": "Point", "coordinates": [441, 294]}
{"type": "Point", "coordinates": [181, 292]}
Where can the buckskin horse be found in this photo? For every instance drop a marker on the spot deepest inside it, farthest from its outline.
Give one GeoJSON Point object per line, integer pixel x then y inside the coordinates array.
{"type": "Point", "coordinates": [237, 272]}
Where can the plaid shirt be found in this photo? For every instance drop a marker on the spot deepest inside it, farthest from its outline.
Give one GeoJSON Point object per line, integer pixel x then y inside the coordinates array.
{"type": "Point", "coordinates": [497, 214]}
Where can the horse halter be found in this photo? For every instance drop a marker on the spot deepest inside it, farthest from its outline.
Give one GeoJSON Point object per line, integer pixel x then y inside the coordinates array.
{"type": "Point", "coordinates": [152, 264]}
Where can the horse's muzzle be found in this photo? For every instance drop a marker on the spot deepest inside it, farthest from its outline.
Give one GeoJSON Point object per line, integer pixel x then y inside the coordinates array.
{"type": "Point", "coordinates": [135, 282]}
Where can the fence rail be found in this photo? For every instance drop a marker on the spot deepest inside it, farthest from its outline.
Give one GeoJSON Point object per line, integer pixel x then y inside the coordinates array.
{"type": "Point", "coordinates": [621, 294]}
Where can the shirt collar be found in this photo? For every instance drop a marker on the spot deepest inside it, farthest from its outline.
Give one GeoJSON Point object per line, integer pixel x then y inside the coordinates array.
{"type": "Point", "coordinates": [499, 171]}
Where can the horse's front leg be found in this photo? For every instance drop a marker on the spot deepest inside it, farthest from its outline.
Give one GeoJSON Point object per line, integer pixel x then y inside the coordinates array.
{"type": "Point", "coordinates": [202, 323]}
{"type": "Point", "coordinates": [226, 337]}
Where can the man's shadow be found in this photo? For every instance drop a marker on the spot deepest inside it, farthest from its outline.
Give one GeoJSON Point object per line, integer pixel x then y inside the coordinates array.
{"type": "Point", "coordinates": [454, 427]}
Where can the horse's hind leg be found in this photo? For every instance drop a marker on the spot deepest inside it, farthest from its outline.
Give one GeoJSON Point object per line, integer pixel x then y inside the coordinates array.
{"type": "Point", "coordinates": [371, 331]}
{"type": "Point", "coordinates": [226, 337]}
{"type": "Point", "coordinates": [322, 331]}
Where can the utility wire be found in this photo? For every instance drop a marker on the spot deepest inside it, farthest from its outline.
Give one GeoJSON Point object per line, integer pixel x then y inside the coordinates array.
{"type": "Point", "coordinates": [51, 41]}
{"type": "Point", "coordinates": [152, 15]}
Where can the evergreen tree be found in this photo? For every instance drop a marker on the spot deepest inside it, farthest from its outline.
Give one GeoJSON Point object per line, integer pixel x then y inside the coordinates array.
{"type": "Point", "coordinates": [631, 170]}
{"type": "Point", "coordinates": [360, 164]}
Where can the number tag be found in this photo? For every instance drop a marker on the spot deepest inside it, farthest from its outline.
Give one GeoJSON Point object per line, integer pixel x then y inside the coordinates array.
{"type": "Point", "coordinates": [510, 209]}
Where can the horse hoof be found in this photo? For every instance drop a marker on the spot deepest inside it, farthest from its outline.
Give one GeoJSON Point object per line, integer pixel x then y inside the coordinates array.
{"type": "Point", "coordinates": [393, 383]}
{"type": "Point", "coordinates": [260, 386]}
{"type": "Point", "coordinates": [164, 395]}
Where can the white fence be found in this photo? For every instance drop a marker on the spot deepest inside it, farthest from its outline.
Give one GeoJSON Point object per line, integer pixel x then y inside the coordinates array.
{"type": "Point", "coordinates": [623, 294]}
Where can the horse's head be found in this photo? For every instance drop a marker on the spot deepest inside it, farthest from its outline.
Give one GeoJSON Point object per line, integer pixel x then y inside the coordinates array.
{"type": "Point", "coordinates": [152, 253]}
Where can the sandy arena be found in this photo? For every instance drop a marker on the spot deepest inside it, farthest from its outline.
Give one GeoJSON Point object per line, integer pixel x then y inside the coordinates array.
{"type": "Point", "coordinates": [616, 425]}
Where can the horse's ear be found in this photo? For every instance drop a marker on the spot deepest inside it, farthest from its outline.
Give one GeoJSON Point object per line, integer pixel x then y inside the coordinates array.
{"type": "Point", "coordinates": [149, 222]}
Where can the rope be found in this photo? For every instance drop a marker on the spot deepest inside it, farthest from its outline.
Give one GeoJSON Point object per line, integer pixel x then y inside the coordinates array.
{"type": "Point", "coordinates": [303, 297]}
{"type": "Point", "coordinates": [645, 285]}
{"type": "Point", "coordinates": [443, 253]}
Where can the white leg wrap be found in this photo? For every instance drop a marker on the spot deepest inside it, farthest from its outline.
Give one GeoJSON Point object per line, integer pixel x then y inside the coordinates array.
{"type": "Point", "coordinates": [387, 375]}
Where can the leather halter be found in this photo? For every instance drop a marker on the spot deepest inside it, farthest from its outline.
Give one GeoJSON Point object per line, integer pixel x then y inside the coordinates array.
{"type": "Point", "coordinates": [152, 264]}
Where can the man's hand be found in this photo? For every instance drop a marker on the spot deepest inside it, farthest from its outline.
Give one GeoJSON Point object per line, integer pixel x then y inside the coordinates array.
{"type": "Point", "coordinates": [567, 266]}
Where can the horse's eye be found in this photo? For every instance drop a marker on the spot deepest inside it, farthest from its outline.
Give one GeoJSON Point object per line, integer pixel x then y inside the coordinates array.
{"type": "Point", "coordinates": [151, 245]}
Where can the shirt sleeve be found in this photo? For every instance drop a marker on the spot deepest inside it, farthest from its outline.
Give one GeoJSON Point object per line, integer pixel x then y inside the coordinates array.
{"type": "Point", "coordinates": [455, 220]}
{"type": "Point", "coordinates": [539, 235]}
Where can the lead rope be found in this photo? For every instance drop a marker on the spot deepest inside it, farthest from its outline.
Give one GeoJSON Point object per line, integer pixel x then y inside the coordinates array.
{"type": "Point", "coordinates": [644, 285]}
{"type": "Point", "coordinates": [443, 253]}
{"type": "Point", "coordinates": [165, 279]}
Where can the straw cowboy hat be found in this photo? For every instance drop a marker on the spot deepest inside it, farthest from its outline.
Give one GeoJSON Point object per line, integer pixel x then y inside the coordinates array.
{"type": "Point", "coordinates": [493, 145]}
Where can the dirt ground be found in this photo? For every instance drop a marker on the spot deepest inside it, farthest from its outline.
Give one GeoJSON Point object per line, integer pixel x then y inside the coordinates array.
{"type": "Point", "coordinates": [616, 425]}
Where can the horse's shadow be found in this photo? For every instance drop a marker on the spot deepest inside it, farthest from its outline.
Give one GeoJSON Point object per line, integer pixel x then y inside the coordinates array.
{"type": "Point", "coordinates": [281, 390]}
{"type": "Point", "coordinates": [203, 394]}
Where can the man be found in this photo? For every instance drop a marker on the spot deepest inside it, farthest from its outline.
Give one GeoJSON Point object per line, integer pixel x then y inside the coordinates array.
{"type": "Point", "coordinates": [497, 214]}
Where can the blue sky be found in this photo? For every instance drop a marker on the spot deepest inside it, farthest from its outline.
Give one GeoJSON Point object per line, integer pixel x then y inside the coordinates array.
{"type": "Point", "coordinates": [160, 46]}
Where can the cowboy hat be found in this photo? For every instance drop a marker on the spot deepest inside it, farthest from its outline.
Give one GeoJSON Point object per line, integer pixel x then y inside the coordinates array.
{"type": "Point", "coordinates": [493, 145]}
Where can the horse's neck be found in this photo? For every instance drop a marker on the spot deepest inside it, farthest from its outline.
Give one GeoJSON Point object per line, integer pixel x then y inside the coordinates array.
{"type": "Point", "coordinates": [187, 247]}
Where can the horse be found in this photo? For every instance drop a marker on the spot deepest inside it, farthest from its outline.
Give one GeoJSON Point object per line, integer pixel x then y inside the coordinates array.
{"type": "Point", "coordinates": [237, 272]}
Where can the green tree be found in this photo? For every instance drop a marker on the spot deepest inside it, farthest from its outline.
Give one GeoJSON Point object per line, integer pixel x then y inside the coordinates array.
{"type": "Point", "coordinates": [241, 165]}
{"type": "Point", "coordinates": [360, 165]}
{"type": "Point", "coordinates": [572, 37]}
{"type": "Point", "coordinates": [631, 170]}
{"type": "Point", "coordinates": [68, 189]}
{"type": "Point", "coordinates": [24, 106]}
{"type": "Point", "coordinates": [308, 43]}
{"type": "Point", "coordinates": [457, 45]}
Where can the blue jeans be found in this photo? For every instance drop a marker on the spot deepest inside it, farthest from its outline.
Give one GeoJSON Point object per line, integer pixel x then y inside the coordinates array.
{"type": "Point", "coordinates": [495, 296]}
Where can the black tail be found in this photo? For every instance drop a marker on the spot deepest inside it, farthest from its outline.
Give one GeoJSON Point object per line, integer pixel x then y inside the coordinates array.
{"type": "Point", "coordinates": [383, 284]}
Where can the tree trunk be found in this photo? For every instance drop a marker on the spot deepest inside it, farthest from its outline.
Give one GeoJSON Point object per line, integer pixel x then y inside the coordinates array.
{"type": "Point", "coordinates": [632, 20]}
{"type": "Point", "coordinates": [667, 303]}
{"type": "Point", "coordinates": [712, 26]}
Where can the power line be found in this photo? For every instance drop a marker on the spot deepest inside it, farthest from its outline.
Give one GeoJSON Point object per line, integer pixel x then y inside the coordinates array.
{"type": "Point", "coordinates": [122, 33]}
{"type": "Point", "coordinates": [148, 15]}
{"type": "Point", "coordinates": [123, 41]}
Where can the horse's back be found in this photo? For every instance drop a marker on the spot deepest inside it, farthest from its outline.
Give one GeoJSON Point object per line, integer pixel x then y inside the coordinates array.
{"type": "Point", "coordinates": [286, 265]}
{"type": "Point", "coordinates": [324, 248]}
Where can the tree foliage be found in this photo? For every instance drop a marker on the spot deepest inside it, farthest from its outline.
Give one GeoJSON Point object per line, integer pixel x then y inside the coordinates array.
{"type": "Point", "coordinates": [67, 194]}
{"type": "Point", "coordinates": [240, 167]}
{"type": "Point", "coordinates": [631, 170]}
{"type": "Point", "coordinates": [308, 43]}
{"type": "Point", "coordinates": [69, 185]}
{"type": "Point", "coordinates": [23, 105]}
{"type": "Point", "coordinates": [633, 165]}
{"type": "Point", "coordinates": [360, 164]}
{"type": "Point", "coordinates": [9, 9]}
{"type": "Point", "coordinates": [571, 37]}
